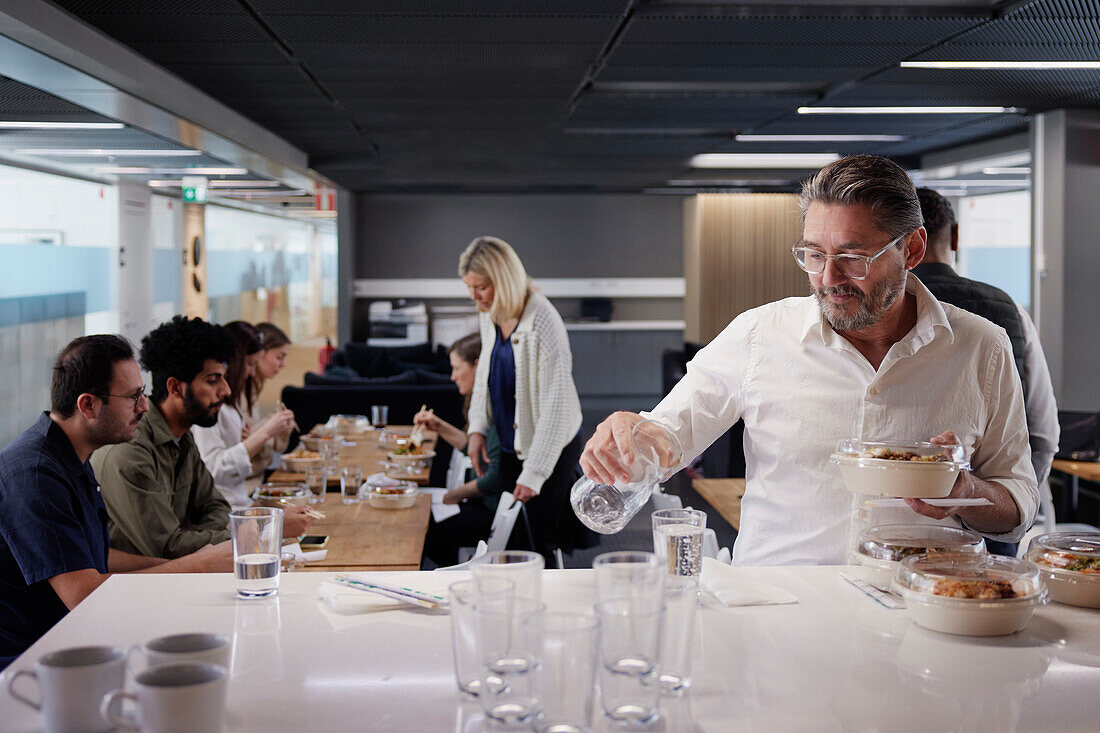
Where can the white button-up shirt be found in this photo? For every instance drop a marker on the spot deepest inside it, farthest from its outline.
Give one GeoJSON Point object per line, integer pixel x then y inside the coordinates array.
{"type": "Point", "coordinates": [801, 388]}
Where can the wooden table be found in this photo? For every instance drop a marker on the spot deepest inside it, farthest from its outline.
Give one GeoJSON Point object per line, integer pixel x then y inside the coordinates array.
{"type": "Point", "coordinates": [366, 454]}
{"type": "Point", "coordinates": [1077, 470]}
{"type": "Point", "coordinates": [724, 494]}
{"type": "Point", "coordinates": [363, 538]}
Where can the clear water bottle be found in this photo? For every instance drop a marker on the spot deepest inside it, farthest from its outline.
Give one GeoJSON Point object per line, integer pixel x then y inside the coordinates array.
{"type": "Point", "coordinates": [607, 508]}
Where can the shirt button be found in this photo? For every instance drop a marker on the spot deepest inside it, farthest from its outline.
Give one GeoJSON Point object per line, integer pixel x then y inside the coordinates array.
{"type": "Point", "coordinates": [872, 391]}
{"type": "Point", "coordinates": [515, 341]}
{"type": "Point", "coordinates": [515, 426]}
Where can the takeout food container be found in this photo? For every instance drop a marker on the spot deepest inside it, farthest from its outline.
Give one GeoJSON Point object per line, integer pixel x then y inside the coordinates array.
{"type": "Point", "coordinates": [417, 460]}
{"type": "Point", "coordinates": [879, 550]}
{"type": "Point", "coordinates": [348, 424]}
{"type": "Point", "coordinates": [299, 461]}
{"type": "Point", "coordinates": [401, 496]}
{"type": "Point", "coordinates": [970, 594]}
{"type": "Point", "coordinates": [280, 494]}
{"type": "Point", "coordinates": [904, 469]}
{"type": "Point", "coordinates": [1069, 563]}
{"type": "Point", "coordinates": [316, 443]}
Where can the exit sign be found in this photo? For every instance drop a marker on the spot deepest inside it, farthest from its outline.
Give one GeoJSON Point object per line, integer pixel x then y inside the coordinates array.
{"type": "Point", "coordinates": [194, 189]}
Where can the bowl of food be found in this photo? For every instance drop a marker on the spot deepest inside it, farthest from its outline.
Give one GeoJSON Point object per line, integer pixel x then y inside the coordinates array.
{"type": "Point", "coordinates": [970, 594]}
{"type": "Point", "coordinates": [348, 424]}
{"type": "Point", "coordinates": [299, 461]}
{"type": "Point", "coordinates": [396, 495]}
{"type": "Point", "coordinates": [411, 457]}
{"type": "Point", "coordinates": [281, 494]}
{"type": "Point", "coordinates": [915, 469]}
{"type": "Point", "coordinates": [881, 549]}
{"type": "Point", "coordinates": [317, 442]}
{"type": "Point", "coordinates": [1069, 563]}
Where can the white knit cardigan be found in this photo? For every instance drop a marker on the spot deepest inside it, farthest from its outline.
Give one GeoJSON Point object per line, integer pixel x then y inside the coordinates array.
{"type": "Point", "coordinates": [548, 410]}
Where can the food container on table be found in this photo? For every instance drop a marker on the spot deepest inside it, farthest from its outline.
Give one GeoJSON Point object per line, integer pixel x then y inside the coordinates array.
{"type": "Point", "coordinates": [970, 594]}
{"type": "Point", "coordinates": [905, 469]}
{"type": "Point", "coordinates": [299, 461]}
{"type": "Point", "coordinates": [316, 442]}
{"type": "Point", "coordinates": [1069, 563]}
{"type": "Point", "coordinates": [348, 424]}
{"type": "Point", "coordinates": [411, 458]}
{"type": "Point", "coordinates": [879, 550]}
{"type": "Point", "coordinates": [396, 495]}
{"type": "Point", "coordinates": [280, 494]}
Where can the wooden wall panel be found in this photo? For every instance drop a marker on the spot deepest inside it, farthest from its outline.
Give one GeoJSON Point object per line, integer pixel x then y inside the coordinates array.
{"type": "Point", "coordinates": [737, 256]}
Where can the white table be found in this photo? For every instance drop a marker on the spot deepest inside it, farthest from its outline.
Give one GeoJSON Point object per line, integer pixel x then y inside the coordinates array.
{"type": "Point", "coordinates": [836, 661]}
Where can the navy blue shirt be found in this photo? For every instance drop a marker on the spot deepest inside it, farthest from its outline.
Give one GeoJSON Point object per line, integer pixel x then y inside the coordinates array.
{"type": "Point", "coordinates": [52, 521]}
{"type": "Point", "coordinates": [502, 391]}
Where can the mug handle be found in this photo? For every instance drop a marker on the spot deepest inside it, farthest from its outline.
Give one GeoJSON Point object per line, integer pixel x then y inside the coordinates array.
{"type": "Point", "coordinates": [108, 705]}
{"type": "Point", "coordinates": [16, 695]}
{"type": "Point", "coordinates": [136, 648]}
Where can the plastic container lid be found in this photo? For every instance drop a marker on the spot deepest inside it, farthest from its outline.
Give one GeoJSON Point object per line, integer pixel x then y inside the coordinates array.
{"type": "Point", "coordinates": [895, 542]}
{"type": "Point", "coordinates": [883, 454]}
{"type": "Point", "coordinates": [1069, 552]}
{"type": "Point", "coordinates": [963, 577]}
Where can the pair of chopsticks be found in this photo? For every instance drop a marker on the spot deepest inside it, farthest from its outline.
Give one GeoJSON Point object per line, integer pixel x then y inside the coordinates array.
{"type": "Point", "coordinates": [310, 512]}
{"type": "Point", "coordinates": [416, 437]}
{"type": "Point", "coordinates": [279, 404]}
{"type": "Point", "coordinates": [405, 595]}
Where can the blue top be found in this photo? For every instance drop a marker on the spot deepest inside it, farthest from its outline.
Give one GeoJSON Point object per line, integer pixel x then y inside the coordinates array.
{"type": "Point", "coordinates": [502, 391]}
{"type": "Point", "coordinates": [53, 521]}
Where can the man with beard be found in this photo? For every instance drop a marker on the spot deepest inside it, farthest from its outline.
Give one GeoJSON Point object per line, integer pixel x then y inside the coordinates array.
{"type": "Point", "coordinates": [871, 355]}
{"type": "Point", "coordinates": [54, 549]}
{"type": "Point", "coordinates": [160, 498]}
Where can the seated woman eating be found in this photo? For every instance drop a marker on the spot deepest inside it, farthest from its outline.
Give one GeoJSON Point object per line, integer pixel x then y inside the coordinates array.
{"type": "Point", "coordinates": [478, 498]}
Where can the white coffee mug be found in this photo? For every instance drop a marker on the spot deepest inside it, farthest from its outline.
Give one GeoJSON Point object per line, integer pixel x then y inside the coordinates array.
{"type": "Point", "coordinates": [207, 648]}
{"type": "Point", "coordinates": [172, 698]}
{"type": "Point", "coordinates": [71, 683]}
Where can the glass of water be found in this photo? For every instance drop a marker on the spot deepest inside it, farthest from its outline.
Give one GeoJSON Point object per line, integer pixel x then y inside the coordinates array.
{"type": "Point", "coordinates": [630, 646]}
{"type": "Point", "coordinates": [316, 480]}
{"type": "Point", "coordinates": [678, 539]}
{"type": "Point", "coordinates": [351, 479]}
{"type": "Point", "coordinates": [257, 550]}
{"type": "Point", "coordinates": [507, 691]}
{"type": "Point", "coordinates": [379, 418]}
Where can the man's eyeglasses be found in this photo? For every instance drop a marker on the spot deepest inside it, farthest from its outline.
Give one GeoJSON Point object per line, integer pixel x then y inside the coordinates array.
{"type": "Point", "coordinates": [137, 396]}
{"type": "Point", "coordinates": [855, 267]}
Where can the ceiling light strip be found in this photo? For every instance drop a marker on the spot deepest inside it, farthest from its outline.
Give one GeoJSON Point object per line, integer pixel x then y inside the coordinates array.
{"type": "Point", "coordinates": [1001, 65]}
{"type": "Point", "coordinates": [18, 125]}
{"type": "Point", "coordinates": [819, 138]}
{"type": "Point", "coordinates": [763, 160]}
{"type": "Point", "coordinates": [926, 110]}
{"type": "Point", "coordinates": [99, 152]}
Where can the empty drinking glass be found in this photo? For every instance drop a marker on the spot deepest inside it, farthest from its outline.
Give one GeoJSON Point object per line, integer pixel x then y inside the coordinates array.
{"type": "Point", "coordinates": [522, 567]}
{"type": "Point", "coordinates": [351, 479]}
{"type": "Point", "coordinates": [507, 691]}
{"type": "Point", "coordinates": [678, 539]}
{"type": "Point", "coordinates": [628, 574]}
{"type": "Point", "coordinates": [681, 597]}
{"type": "Point", "coordinates": [630, 645]}
{"type": "Point", "coordinates": [564, 648]}
{"type": "Point", "coordinates": [463, 595]}
{"type": "Point", "coordinates": [257, 534]}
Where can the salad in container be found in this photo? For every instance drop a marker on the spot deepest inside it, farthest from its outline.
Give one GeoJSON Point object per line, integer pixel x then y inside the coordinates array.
{"type": "Point", "coordinates": [917, 469]}
{"type": "Point", "coordinates": [1069, 563]}
{"type": "Point", "coordinates": [880, 550]}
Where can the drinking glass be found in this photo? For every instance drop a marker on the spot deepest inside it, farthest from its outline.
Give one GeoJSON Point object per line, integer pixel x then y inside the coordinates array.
{"type": "Point", "coordinates": [351, 479]}
{"type": "Point", "coordinates": [522, 567]}
{"type": "Point", "coordinates": [681, 597]}
{"type": "Point", "coordinates": [379, 418]}
{"type": "Point", "coordinates": [630, 645]}
{"type": "Point", "coordinates": [316, 478]}
{"type": "Point", "coordinates": [564, 650]}
{"type": "Point", "coordinates": [678, 539]}
{"type": "Point", "coordinates": [463, 595]}
{"type": "Point", "coordinates": [257, 549]}
{"type": "Point", "coordinates": [507, 690]}
{"type": "Point", "coordinates": [628, 574]}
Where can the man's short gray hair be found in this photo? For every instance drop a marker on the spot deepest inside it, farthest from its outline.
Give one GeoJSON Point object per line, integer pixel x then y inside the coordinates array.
{"type": "Point", "coordinates": [876, 182]}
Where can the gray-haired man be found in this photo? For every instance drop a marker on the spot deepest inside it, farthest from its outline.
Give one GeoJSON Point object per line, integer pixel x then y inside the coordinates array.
{"type": "Point", "coordinates": [871, 355]}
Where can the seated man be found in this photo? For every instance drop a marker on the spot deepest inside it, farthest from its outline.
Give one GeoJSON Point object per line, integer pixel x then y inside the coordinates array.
{"type": "Point", "coordinates": [53, 530]}
{"type": "Point", "coordinates": [160, 498]}
{"type": "Point", "coordinates": [871, 355]}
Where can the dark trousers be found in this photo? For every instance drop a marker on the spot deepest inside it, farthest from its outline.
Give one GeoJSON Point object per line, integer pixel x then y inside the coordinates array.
{"type": "Point", "coordinates": [552, 521]}
{"type": "Point", "coordinates": [472, 523]}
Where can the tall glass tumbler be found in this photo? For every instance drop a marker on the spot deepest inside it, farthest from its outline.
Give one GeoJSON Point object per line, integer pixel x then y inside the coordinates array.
{"type": "Point", "coordinates": [351, 480]}
{"type": "Point", "coordinates": [681, 597]}
{"type": "Point", "coordinates": [507, 690]}
{"type": "Point", "coordinates": [630, 645]}
{"type": "Point", "coordinates": [628, 574]}
{"type": "Point", "coordinates": [463, 595]}
{"type": "Point", "coordinates": [257, 534]}
{"type": "Point", "coordinates": [379, 418]}
{"type": "Point", "coordinates": [678, 539]}
{"type": "Point", "coordinates": [564, 647]}
{"type": "Point", "coordinates": [317, 481]}
{"type": "Point", "coordinates": [522, 567]}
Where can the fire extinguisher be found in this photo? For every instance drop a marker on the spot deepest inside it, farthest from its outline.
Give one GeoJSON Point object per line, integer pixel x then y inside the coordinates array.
{"type": "Point", "coordinates": [324, 356]}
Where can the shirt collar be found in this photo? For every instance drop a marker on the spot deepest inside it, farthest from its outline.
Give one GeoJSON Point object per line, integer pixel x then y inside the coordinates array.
{"type": "Point", "coordinates": [57, 438]}
{"type": "Point", "coordinates": [930, 316]}
{"type": "Point", "coordinates": [158, 426]}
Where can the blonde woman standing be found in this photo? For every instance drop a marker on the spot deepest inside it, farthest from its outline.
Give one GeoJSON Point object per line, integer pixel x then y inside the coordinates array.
{"type": "Point", "coordinates": [524, 389]}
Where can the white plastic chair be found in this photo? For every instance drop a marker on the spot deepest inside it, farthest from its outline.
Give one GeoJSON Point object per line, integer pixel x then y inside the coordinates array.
{"type": "Point", "coordinates": [480, 550]}
{"type": "Point", "coordinates": [501, 529]}
{"type": "Point", "coordinates": [710, 543]}
{"type": "Point", "coordinates": [661, 500]}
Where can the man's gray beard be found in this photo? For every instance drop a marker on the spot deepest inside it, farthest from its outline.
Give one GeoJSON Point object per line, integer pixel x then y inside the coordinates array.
{"type": "Point", "coordinates": [872, 306]}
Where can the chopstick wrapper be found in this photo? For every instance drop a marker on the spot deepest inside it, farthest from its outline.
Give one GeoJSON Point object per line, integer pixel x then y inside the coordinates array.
{"type": "Point", "coordinates": [729, 586]}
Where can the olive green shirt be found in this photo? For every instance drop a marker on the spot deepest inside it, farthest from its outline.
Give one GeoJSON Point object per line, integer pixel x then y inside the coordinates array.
{"type": "Point", "coordinates": [161, 500]}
